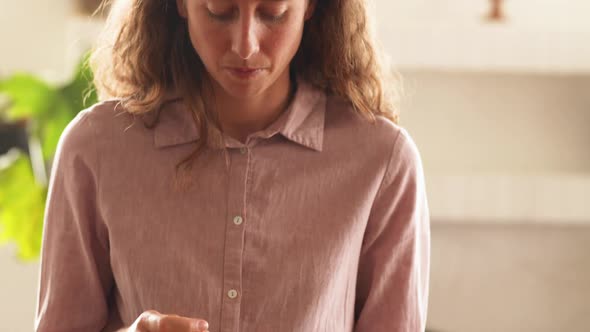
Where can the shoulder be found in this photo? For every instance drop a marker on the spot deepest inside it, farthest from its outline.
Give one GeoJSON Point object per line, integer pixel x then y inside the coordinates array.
{"type": "Point", "coordinates": [98, 127]}
{"type": "Point", "coordinates": [104, 117]}
{"type": "Point", "coordinates": [341, 117]}
{"type": "Point", "coordinates": [104, 123]}
{"type": "Point", "coordinates": [383, 136]}
{"type": "Point", "coordinates": [340, 113]}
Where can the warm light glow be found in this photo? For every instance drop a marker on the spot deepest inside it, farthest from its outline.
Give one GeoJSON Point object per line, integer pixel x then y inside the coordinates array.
{"type": "Point", "coordinates": [496, 11]}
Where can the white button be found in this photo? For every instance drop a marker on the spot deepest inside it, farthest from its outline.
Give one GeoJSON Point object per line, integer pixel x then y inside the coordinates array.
{"type": "Point", "coordinates": [243, 150]}
{"type": "Point", "coordinates": [232, 294]}
{"type": "Point", "coordinates": [238, 220]}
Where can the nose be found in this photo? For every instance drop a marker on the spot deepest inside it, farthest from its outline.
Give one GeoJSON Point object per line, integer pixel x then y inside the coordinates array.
{"type": "Point", "coordinates": [245, 40]}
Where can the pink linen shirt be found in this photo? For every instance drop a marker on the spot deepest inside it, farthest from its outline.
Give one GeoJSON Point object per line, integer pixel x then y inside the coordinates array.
{"type": "Point", "coordinates": [318, 223]}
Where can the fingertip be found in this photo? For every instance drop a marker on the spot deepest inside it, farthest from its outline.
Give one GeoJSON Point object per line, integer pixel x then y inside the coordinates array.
{"type": "Point", "coordinates": [200, 326]}
{"type": "Point", "coordinates": [151, 320]}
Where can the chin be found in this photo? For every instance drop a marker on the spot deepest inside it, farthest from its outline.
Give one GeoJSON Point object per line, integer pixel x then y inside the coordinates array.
{"type": "Point", "coordinates": [241, 92]}
{"type": "Point", "coordinates": [244, 87]}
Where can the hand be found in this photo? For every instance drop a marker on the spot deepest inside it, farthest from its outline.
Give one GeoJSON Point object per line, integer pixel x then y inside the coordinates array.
{"type": "Point", "coordinates": [153, 321]}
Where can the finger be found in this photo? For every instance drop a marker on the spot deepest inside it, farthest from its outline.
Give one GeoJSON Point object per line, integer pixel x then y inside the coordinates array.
{"type": "Point", "coordinates": [177, 323]}
{"type": "Point", "coordinates": [149, 321]}
{"type": "Point", "coordinates": [155, 321]}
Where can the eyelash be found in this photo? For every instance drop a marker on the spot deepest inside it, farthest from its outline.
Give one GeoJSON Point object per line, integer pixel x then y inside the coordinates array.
{"type": "Point", "coordinates": [274, 19]}
{"type": "Point", "coordinates": [227, 17]}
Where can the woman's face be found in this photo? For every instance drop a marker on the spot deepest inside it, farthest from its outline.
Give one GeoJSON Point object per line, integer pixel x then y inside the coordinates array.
{"type": "Point", "coordinates": [246, 45]}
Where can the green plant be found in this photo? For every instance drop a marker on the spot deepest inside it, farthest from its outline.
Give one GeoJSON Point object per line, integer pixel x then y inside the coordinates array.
{"type": "Point", "coordinates": [48, 110]}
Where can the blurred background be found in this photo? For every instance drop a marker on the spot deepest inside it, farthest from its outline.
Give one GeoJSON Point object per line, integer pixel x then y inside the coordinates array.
{"type": "Point", "coordinates": [497, 98]}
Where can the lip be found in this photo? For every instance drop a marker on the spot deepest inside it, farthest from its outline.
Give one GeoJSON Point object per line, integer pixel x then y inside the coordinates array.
{"type": "Point", "coordinates": [244, 72]}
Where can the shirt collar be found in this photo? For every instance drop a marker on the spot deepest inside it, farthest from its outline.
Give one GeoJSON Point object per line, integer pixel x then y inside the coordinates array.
{"type": "Point", "coordinates": [302, 122]}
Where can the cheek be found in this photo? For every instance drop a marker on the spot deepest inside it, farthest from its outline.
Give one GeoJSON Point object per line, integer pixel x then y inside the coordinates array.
{"type": "Point", "coordinates": [283, 43]}
{"type": "Point", "coordinates": [206, 47]}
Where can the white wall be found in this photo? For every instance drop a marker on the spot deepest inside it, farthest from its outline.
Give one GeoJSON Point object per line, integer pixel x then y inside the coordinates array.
{"type": "Point", "coordinates": [32, 36]}
{"type": "Point", "coordinates": [469, 122]}
{"type": "Point", "coordinates": [18, 289]}
{"type": "Point", "coordinates": [509, 278]}
{"type": "Point", "coordinates": [546, 35]}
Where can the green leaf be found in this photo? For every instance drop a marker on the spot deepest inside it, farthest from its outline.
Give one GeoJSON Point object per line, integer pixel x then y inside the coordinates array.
{"type": "Point", "coordinates": [51, 128]}
{"type": "Point", "coordinates": [49, 109]}
{"type": "Point", "coordinates": [22, 205]}
{"type": "Point", "coordinates": [30, 96]}
{"type": "Point", "coordinates": [80, 92]}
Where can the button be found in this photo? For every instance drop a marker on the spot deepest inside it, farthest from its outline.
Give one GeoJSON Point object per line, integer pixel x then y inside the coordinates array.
{"type": "Point", "coordinates": [238, 220]}
{"type": "Point", "coordinates": [243, 150]}
{"type": "Point", "coordinates": [232, 294]}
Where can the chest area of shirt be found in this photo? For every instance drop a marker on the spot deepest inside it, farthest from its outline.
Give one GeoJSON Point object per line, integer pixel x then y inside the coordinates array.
{"type": "Point", "coordinates": [272, 204]}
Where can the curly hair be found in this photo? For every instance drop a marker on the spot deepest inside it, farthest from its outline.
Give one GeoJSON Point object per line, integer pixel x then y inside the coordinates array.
{"type": "Point", "coordinates": [145, 54]}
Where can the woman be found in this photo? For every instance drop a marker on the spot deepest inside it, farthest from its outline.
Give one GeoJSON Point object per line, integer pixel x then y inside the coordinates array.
{"type": "Point", "coordinates": [245, 171]}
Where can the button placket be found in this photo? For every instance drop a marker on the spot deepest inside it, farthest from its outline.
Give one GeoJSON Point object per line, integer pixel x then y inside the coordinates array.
{"type": "Point", "coordinates": [234, 241]}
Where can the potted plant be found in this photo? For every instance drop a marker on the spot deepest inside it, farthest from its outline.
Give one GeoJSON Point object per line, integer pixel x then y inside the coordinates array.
{"type": "Point", "coordinates": [33, 115]}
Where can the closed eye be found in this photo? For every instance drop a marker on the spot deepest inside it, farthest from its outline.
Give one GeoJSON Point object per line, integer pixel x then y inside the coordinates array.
{"type": "Point", "coordinates": [229, 15]}
{"type": "Point", "coordinates": [273, 18]}
{"type": "Point", "coordinates": [221, 17]}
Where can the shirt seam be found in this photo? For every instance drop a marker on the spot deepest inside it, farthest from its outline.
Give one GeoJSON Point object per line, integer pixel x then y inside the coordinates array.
{"type": "Point", "coordinates": [387, 169]}
{"type": "Point", "coordinates": [99, 214]}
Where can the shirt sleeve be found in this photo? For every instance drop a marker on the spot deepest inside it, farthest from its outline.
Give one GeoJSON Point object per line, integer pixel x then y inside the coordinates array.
{"type": "Point", "coordinates": [75, 275]}
{"type": "Point", "coordinates": [393, 276]}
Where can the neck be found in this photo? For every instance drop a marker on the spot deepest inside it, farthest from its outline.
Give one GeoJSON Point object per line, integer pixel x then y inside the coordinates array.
{"type": "Point", "coordinates": [241, 117]}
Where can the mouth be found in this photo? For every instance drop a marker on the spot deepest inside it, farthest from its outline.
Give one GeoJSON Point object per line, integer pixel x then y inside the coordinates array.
{"type": "Point", "coordinates": [244, 72]}
{"type": "Point", "coordinates": [244, 69]}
